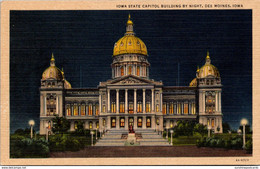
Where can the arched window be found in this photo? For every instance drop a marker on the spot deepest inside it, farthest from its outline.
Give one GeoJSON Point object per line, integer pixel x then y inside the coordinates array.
{"type": "Point", "coordinates": [113, 122]}
{"type": "Point", "coordinates": [76, 125]}
{"type": "Point", "coordinates": [68, 110]}
{"type": "Point", "coordinates": [90, 125]}
{"type": "Point", "coordinates": [171, 124]}
{"type": "Point", "coordinates": [90, 110]}
{"type": "Point", "coordinates": [130, 70]}
{"type": "Point", "coordinates": [49, 125]}
{"type": "Point", "coordinates": [75, 109]}
{"type": "Point", "coordinates": [122, 122]}
{"type": "Point", "coordinates": [97, 109]}
{"type": "Point", "coordinates": [97, 125]}
{"type": "Point", "coordinates": [122, 71]}
{"type": "Point", "coordinates": [148, 122]}
{"type": "Point", "coordinates": [138, 71]}
{"type": "Point", "coordinates": [139, 122]}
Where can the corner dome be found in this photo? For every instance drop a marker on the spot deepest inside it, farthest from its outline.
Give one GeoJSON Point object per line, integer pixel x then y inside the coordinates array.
{"type": "Point", "coordinates": [67, 84]}
{"type": "Point", "coordinates": [129, 43]}
{"type": "Point", "coordinates": [52, 72]}
{"type": "Point", "coordinates": [208, 69]}
{"type": "Point", "coordinates": [193, 83]}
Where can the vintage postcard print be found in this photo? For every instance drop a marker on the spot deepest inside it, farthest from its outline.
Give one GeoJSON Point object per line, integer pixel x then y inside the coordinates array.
{"type": "Point", "coordinates": [162, 83]}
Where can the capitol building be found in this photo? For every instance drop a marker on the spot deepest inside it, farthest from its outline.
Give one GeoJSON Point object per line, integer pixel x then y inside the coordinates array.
{"type": "Point", "coordinates": [130, 97]}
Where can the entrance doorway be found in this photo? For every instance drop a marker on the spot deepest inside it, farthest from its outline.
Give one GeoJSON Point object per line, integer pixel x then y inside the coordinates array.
{"type": "Point", "coordinates": [131, 121]}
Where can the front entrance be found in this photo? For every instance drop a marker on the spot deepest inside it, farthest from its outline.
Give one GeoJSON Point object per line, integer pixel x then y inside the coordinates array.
{"type": "Point", "coordinates": [131, 121]}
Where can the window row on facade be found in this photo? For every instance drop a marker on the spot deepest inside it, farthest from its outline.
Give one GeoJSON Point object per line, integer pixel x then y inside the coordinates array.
{"type": "Point", "coordinates": [82, 109]}
{"type": "Point", "coordinates": [130, 70]}
{"type": "Point", "coordinates": [179, 108]}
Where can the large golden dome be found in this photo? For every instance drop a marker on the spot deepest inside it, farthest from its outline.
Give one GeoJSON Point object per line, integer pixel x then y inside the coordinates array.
{"type": "Point", "coordinates": [208, 69]}
{"type": "Point", "coordinates": [129, 43]}
{"type": "Point", "coordinates": [52, 72]}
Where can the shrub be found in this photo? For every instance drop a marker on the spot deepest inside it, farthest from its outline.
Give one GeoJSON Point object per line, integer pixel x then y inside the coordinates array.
{"type": "Point", "coordinates": [29, 148]}
{"type": "Point", "coordinates": [249, 146]}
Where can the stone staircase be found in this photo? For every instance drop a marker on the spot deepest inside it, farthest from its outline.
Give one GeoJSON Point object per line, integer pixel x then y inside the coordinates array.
{"type": "Point", "coordinates": [149, 138]}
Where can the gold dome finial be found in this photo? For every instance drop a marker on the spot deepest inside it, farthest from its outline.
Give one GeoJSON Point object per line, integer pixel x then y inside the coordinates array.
{"type": "Point", "coordinates": [198, 68]}
{"type": "Point", "coordinates": [208, 55]}
{"type": "Point", "coordinates": [52, 63]}
{"type": "Point", "coordinates": [129, 22]}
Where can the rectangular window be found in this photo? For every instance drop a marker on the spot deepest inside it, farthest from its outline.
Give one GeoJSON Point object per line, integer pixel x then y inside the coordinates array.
{"type": "Point", "coordinates": [68, 110]}
{"type": "Point", "coordinates": [179, 108]}
{"type": "Point", "coordinates": [76, 113]}
{"type": "Point", "coordinates": [122, 71]}
{"type": "Point", "coordinates": [139, 107]}
{"type": "Point", "coordinates": [82, 110]}
{"type": "Point", "coordinates": [104, 108]}
{"type": "Point", "coordinates": [122, 107]}
{"type": "Point", "coordinates": [148, 107]}
{"type": "Point", "coordinates": [97, 109]}
{"type": "Point", "coordinates": [212, 123]}
{"type": "Point", "coordinates": [164, 108]}
{"type": "Point", "coordinates": [113, 107]}
{"type": "Point", "coordinates": [157, 108]}
{"type": "Point", "coordinates": [90, 110]}
{"type": "Point", "coordinates": [186, 108]}
{"type": "Point", "coordinates": [131, 108]}
{"type": "Point", "coordinates": [138, 71]}
{"type": "Point", "coordinates": [130, 70]}
{"type": "Point", "coordinates": [171, 108]}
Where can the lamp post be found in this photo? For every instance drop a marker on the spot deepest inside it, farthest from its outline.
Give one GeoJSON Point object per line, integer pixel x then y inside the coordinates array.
{"type": "Point", "coordinates": [167, 132]}
{"type": "Point", "coordinates": [31, 123]}
{"type": "Point", "coordinates": [92, 133]}
{"type": "Point", "coordinates": [244, 122]}
{"type": "Point", "coordinates": [96, 133]}
{"type": "Point", "coordinates": [239, 132]}
{"type": "Point", "coordinates": [171, 131]}
{"type": "Point", "coordinates": [47, 129]}
{"type": "Point", "coordinates": [209, 129]}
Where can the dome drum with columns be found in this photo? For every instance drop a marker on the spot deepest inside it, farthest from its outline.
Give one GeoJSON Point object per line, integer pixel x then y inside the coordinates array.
{"type": "Point", "coordinates": [130, 97]}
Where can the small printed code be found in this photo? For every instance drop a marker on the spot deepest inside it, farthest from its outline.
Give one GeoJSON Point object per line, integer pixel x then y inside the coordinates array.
{"type": "Point", "coordinates": [13, 167]}
{"type": "Point", "coordinates": [247, 167]}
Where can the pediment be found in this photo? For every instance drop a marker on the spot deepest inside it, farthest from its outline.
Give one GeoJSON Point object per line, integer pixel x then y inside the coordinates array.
{"type": "Point", "coordinates": [131, 80]}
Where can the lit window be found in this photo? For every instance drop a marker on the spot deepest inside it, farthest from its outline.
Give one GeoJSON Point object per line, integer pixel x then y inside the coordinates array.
{"type": "Point", "coordinates": [96, 109]}
{"type": "Point", "coordinates": [75, 110]}
{"type": "Point", "coordinates": [122, 122]}
{"type": "Point", "coordinates": [97, 125]}
{"type": "Point", "coordinates": [122, 107]}
{"type": "Point", "coordinates": [90, 110]}
{"type": "Point", "coordinates": [139, 124]}
{"type": "Point", "coordinates": [76, 125]}
{"type": "Point", "coordinates": [68, 110]}
{"type": "Point", "coordinates": [171, 108]}
{"type": "Point", "coordinates": [122, 71]}
{"type": "Point", "coordinates": [113, 107]}
{"type": "Point", "coordinates": [131, 108]}
{"type": "Point", "coordinates": [113, 124]}
{"type": "Point", "coordinates": [148, 122]}
{"type": "Point", "coordinates": [186, 108]}
{"type": "Point", "coordinates": [82, 110]}
{"type": "Point", "coordinates": [171, 124]}
{"type": "Point", "coordinates": [164, 108]}
{"type": "Point", "coordinates": [138, 71]}
{"type": "Point", "coordinates": [130, 70]}
{"type": "Point", "coordinates": [104, 108]}
{"type": "Point", "coordinates": [90, 125]}
{"type": "Point", "coordinates": [212, 123]}
{"type": "Point", "coordinates": [157, 108]}
{"type": "Point", "coordinates": [139, 107]}
{"type": "Point", "coordinates": [148, 107]}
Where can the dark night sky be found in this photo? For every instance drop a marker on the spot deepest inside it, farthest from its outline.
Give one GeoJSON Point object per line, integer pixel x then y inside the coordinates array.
{"type": "Point", "coordinates": [86, 38]}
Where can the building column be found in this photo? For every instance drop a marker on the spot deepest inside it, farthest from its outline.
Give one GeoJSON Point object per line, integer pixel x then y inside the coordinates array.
{"type": "Point", "coordinates": [216, 101]}
{"type": "Point", "coordinates": [100, 124]}
{"type": "Point", "coordinates": [220, 102]}
{"type": "Point", "coordinates": [143, 100]}
{"type": "Point", "coordinates": [144, 122]}
{"type": "Point", "coordinates": [126, 122]}
{"type": "Point", "coordinates": [117, 101]}
{"type": "Point", "coordinates": [161, 102]}
{"type": "Point", "coordinates": [100, 104]}
{"type": "Point", "coordinates": [126, 100]}
{"type": "Point", "coordinates": [108, 123]}
{"type": "Point", "coordinates": [108, 100]}
{"type": "Point", "coordinates": [153, 123]}
{"type": "Point", "coordinates": [167, 108]}
{"type": "Point", "coordinates": [135, 100]}
{"type": "Point", "coordinates": [203, 102]}
{"type": "Point", "coordinates": [117, 122]}
{"type": "Point", "coordinates": [45, 106]}
{"type": "Point", "coordinates": [152, 100]}
{"type": "Point", "coordinates": [41, 104]}
{"type": "Point", "coordinates": [135, 122]}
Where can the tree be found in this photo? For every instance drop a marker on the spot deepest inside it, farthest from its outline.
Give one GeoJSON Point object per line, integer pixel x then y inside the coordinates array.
{"type": "Point", "coordinates": [200, 128]}
{"type": "Point", "coordinates": [248, 130]}
{"type": "Point", "coordinates": [184, 128]}
{"type": "Point", "coordinates": [225, 127]}
{"type": "Point", "coordinates": [60, 125]}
